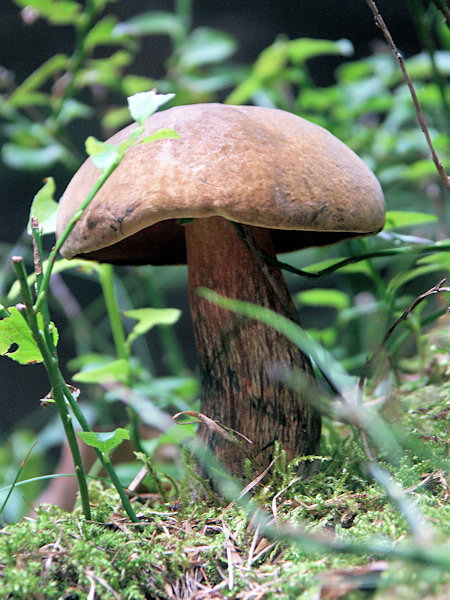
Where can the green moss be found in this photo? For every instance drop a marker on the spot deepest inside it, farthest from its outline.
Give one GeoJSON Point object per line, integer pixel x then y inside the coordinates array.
{"type": "Point", "coordinates": [198, 544]}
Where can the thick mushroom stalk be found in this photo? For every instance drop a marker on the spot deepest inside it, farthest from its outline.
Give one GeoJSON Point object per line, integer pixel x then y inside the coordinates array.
{"type": "Point", "coordinates": [238, 356]}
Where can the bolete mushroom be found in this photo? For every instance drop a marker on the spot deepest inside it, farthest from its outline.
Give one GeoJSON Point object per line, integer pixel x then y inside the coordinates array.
{"type": "Point", "coordinates": [291, 184]}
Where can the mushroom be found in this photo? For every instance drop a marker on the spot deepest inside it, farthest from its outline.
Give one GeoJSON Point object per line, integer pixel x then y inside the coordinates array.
{"type": "Point", "coordinates": [290, 184]}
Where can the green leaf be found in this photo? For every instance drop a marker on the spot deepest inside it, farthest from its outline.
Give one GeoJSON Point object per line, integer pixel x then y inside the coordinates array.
{"type": "Point", "coordinates": [403, 277]}
{"type": "Point", "coordinates": [323, 297]}
{"type": "Point", "coordinates": [148, 318]}
{"type": "Point", "coordinates": [28, 99]}
{"type": "Point", "coordinates": [404, 218]}
{"type": "Point", "coordinates": [58, 12]}
{"type": "Point", "coordinates": [133, 84]}
{"type": "Point", "coordinates": [216, 78]}
{"type": "Point", "coordinates": [160, 135]}
{"type": "Point", "coordinates": [34, 81]}
{"type": "Point", "coordinates": [101, 33]}
{"type": "Point", "coordinates": [14, 330]}
{"type": "Point", "coordinates": [206, 46]}
{"type": "Point", "coordinates": [176, 435]}
{"type": "Point", "coordinates": [94, 147]}
{"type": "Point", "coordinates": [116, 370]}
{"type": "Point", "coordinates": [441, 259]}
{"type": "Point", "coordinates": [102, 154]}
{"type": "Point", "coordinates": [152, 23]}
{"type": "Point", "coordinates": [58, 267]}
{"type": "Point", "coordinates": [144, 104]}
{"type": "Point", "coordinates": [355, 71]}
{"type": "Point", "coordinates": [72, 109]}
{"type": "Point", "coordinates": [303, 49]}
{"type": "Point", "coordinates": [166, 391]}
{"type": "Point", "coordinates": [104, 71]}
{"type": "Point", "coordinates": [44, 208]}
{"type": "Point", "coordinates": [273, 61]}
{"type": "Point", "coordinates": [105, 441]}
{"type": "Point", "coordinates": [31, 159]}
{"type": "Point", "coordinates": [420, 170]}
{"type": "Point", "coordinates": [115, 118]}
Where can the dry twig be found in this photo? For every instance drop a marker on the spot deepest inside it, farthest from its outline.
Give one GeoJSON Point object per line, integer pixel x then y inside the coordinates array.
{"type": "Point", "coordinates": [420, 116]}
{"type": "Point", "coordinates": [436, 289]}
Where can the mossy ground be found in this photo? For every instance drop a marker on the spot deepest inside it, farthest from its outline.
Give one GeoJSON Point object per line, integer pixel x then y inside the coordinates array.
{"type": "Point", "coordinates": [208, 549]}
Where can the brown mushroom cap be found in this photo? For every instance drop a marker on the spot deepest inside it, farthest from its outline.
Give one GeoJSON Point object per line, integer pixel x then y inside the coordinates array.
{"type": "Point", "coordinates": [259, 166]}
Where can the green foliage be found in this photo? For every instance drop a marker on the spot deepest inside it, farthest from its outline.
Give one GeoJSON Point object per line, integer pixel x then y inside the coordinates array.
{"type": "Point", "coordinates": [187, 543]}
{"type": "Point", "coordinates": [147, 318]}
{"type": "Point", "coordinates": [396, 508]}
{"type": "Point", "coordinates": [44, 208]}
{"type": "Point", "coordinates": [284, 61]}
{"type": "Point", "coordinates": [58, 12]}
{"type": "Point", "coordinates": [405, 218]}
{"type": "Point", "coordinates": [144, 104]}
{"type": "Point", "coordinates": [105, 441]}
{"type": "Point", "coordinates": [14, 331]}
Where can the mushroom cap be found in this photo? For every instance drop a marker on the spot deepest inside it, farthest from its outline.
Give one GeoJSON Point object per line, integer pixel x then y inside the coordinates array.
{"type": "Point", "coordinates": [259, 166]}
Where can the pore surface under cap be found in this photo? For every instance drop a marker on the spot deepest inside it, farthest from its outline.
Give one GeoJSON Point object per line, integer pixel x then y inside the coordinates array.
{"type": "Point", "coordinates": [253, 165]}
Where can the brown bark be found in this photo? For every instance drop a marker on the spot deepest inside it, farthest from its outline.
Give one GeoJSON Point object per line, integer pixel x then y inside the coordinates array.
{"type": "Point", "coordinates": [237, 355]}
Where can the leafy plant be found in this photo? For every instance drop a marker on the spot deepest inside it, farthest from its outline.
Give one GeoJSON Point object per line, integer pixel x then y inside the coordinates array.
{"type": "Point", "coordinates": [377, 297]}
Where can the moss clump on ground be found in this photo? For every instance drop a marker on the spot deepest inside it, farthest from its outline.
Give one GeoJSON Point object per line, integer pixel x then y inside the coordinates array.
{"type": "Point", "coordinates": [206, 549]}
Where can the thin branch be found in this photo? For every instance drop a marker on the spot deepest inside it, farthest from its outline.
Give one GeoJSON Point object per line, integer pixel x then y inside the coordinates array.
{"type": "Point", "coordinates": [436, 289]}
{"type": "Point", "coordinates": [441, 246]}
{"type": "Point", "coordinates": [420, 116]}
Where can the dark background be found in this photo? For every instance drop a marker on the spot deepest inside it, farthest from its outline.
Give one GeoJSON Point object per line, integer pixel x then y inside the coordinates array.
{"type": "Point", "coordinates": [255, 24]}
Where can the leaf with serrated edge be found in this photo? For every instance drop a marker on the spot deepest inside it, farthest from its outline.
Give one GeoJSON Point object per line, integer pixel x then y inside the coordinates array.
{"type": "Point", "coordinates": [105, 441]}
{"type": "Point", "coordinates": [14, 330]}
{"type": "Point", "coordinates": [144, 104]}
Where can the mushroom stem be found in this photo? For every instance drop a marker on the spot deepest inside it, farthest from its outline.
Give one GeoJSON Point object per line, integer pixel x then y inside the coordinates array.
{"type": "Point", "coordinates": [237, 356]}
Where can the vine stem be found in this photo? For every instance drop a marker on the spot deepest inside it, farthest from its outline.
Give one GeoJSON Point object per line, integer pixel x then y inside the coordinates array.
{"type": "Point", "coordinates": [436, 289]}
{"type": "Point", "coordinates": [76, 60]}
{"type": "Point", "coordinates": [51, 366]}
{"type": "Point", "coordinates": [408, 250]}
{"type": "Point", "coordinates": [420, 116]}
{"type": "Point", "coordinates": [106, 274]}
{"type": "Point", "coordinates": [56, 248]}
{"type": "Point", "coordinates": [103, 459]}
{"type": "Point", "coordinates": [106, 173]}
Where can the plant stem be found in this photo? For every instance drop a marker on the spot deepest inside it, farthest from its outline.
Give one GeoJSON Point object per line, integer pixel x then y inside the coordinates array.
{"type": "Point", "coordinates": [183, 9]}
{"type": "Point", "coordinates": [78, 214]}
{"type": "Point", "coordinates": [441, 5]}
{"type": "Point", "coordinates": [424, 25]}
{"type": "Point", "coordinates": [106, 464]}
{"type": "Point", "coordinates": [51, 366]}
{"type": "Point", "coordinates": [106, 276]}
{"type": "Point", "coordinates": [123, 351]}
{"type": "Point", "coordinates": [408, 250]}
{"type": "Point", "coordinates": [37, 251]}
{"type": "Point", "coordinates": [54, 253]}
{"type": "Point", "coordinates": [79, 53]}
{"type": "Point", "coordinates": [420, 117]}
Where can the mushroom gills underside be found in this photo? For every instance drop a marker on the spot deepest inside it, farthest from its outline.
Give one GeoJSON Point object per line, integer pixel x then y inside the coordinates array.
{"type": "Point", "coordinates": [164, 244]}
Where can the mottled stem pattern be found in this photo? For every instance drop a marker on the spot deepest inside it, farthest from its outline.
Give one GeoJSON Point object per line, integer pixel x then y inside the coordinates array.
{"type": "Point", "coordinates": [238, 356]}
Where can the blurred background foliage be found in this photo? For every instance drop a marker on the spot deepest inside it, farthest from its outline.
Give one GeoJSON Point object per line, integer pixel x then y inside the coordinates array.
{"type": "Point", "coordinates": [367, 105]}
